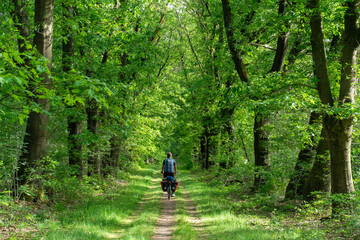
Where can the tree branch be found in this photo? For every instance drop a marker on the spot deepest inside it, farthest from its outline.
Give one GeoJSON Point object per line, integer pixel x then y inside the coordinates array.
{"type": "Point", "coordinates": [235, 54]}
{"type": "Point", "coordinates": [319, 53]}
{"type": "Point", "coordinates": [189, 40]}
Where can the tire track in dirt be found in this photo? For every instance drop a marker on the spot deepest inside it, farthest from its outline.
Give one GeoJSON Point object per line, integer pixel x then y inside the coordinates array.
{"type": "Point", "coordinates": [131, 220]}
{"type": "Point", "coordinates": [166, 223]}
{"type": "Point", "coordinates": [192, 211]}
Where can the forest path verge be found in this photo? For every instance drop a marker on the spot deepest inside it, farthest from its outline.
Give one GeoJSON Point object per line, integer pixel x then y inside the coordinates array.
{"type": "Point", "coordinates": [218, 211]}
{"type": "Point", "coordinates": [141, 223]}
{"type": "Point", "coordinates": [128, 211]}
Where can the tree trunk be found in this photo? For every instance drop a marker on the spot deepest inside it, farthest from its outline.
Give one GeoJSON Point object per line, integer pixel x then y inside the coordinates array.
{"type": "Point", "coordinates": [205, 148]}
{"type": "Point", "coordinates": [339, 132]}
{"type": "Point", "coordinates": [21, 21]}
{"type": "Point", "coordinates": [115, 149]}
{"type": "Point", "coordinates": [302, 168]}
{"type": "Point", "coordinates": [36, 129]}
{"type": "Point", "coordinates": [94, 161]}
{"type": "Point", "coordinates": [74, 120]}
{"type": "Point", "coordinates": [282, 45]}
{"type": "Point", "coordinates": [319, 176]}
{"type": "Point", "coordinates": [261, 150]}
{"type": "Point", "coordinates": [262, 119]}
{"type": "Point", "coordinates": [235, 54]}
{"type": "Point", "coordinates": [202, 150]}
{"type": "Point", "coordinates": [74, 142]}
{"type": "Point", "coordinates": [226, 115]}
{"type": "Point", "coordinates": [319, 54]}
{"type": "Point", "coordinates": [338, 128]}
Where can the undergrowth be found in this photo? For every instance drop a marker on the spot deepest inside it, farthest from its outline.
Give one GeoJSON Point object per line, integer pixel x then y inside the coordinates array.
{"type": "Point", "coordinates": [231, 211]}
{"type": "Point", "coordinates": [93, 208]}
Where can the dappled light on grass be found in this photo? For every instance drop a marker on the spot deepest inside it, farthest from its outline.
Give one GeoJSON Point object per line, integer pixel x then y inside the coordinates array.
{"type": "Point", "coordinates": [226, 218]}
{"type": "Point", "coordinates": [108, 218]}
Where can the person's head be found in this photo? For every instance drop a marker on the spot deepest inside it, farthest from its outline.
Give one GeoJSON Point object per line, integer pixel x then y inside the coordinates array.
{"type": "Point", "coordinates": [169, 154]}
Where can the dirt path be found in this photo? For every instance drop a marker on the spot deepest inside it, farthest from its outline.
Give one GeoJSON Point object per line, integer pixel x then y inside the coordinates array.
{"type": "Point", "coordinates": [166, 222]}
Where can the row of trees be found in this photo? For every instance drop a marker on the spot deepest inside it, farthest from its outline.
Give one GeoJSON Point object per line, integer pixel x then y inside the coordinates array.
{"type": "Point", "coordinates": [302, 58]}
{"type": "Point", "coordinates": [96, 85]}
{"type": "Point", "coordinates": [77, 81]}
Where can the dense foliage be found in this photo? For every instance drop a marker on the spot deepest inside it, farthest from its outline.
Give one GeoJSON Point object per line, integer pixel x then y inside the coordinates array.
{"type": "Point", "coordinates": [132, 80]}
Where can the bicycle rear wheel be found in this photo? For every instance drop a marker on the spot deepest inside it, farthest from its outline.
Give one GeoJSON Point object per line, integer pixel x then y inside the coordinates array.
{"type": "Point", "coordinates": [169, 191]}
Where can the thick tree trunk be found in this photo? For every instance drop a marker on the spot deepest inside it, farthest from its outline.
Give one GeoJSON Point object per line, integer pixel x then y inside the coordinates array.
{"type": "Point", "coordinates": [338, 128]}
{"type": "Point", "coordinates": [36, 129]}
{"type": "Point", "coordinates": [319, 54]}
{"type": "Point", "coordinates": [319, 176]}
{"type": "Point", "coordinates": [339, 132]}
{"type": "Point", "coordinates": [303, 164]}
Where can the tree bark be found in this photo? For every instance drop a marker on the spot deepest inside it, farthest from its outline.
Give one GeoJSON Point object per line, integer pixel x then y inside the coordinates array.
{"type": "Point", "coordinates": [319, 54]}
{"type": "Point", "coordinates": [227, 115]}
{"type": "Point", "coordinates": [21, 21]}
{"type": "Point", "coordinates": [235, 54]}
{"type": "Point", "coordinates": [74, 143]}
{"type": "Point", "coordinates": [338, 128]}
{"type": "Point", "coordinates": [319, 176]}
{"type": "Point", "coordinates": [282, 45]}
{"type": "Point", "coordinates": [94, 161]}
{"type": "Point", "coordinates": [115, 150]}
{"type": "Point", "coordinates": [205, 148]}
{"type": "Point", "coordinates": [303, 164]}
{"type": "Point", "coordinates": [36, 129]}
{"type": "Point", "coordinates": [261, 150]}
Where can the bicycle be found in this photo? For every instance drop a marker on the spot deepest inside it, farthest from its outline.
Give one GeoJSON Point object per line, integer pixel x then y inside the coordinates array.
{"type": "Point", "coordinates": [169, 185]}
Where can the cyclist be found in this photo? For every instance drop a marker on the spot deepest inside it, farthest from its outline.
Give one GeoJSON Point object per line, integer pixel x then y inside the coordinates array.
{"type": "Point", "coordinates": [169, 168]}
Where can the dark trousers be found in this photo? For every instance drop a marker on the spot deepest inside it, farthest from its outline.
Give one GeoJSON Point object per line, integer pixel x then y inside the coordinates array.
{"type": "Point", "coordinates": [169, 174]}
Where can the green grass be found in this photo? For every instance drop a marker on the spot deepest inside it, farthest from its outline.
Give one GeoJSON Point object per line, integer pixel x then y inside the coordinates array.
{"type": "Point", "coordinates": [183, 229]}
{"type": "Point", "coordinates": [109, 216]}
{"type": "Point", "coordinates": [130, 211]}
{"type": "Point", "coordinates": [228, 218]}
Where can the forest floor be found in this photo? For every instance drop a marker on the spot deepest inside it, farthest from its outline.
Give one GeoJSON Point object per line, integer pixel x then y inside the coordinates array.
{"type": "Point", "coordinates": [138, 209]}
